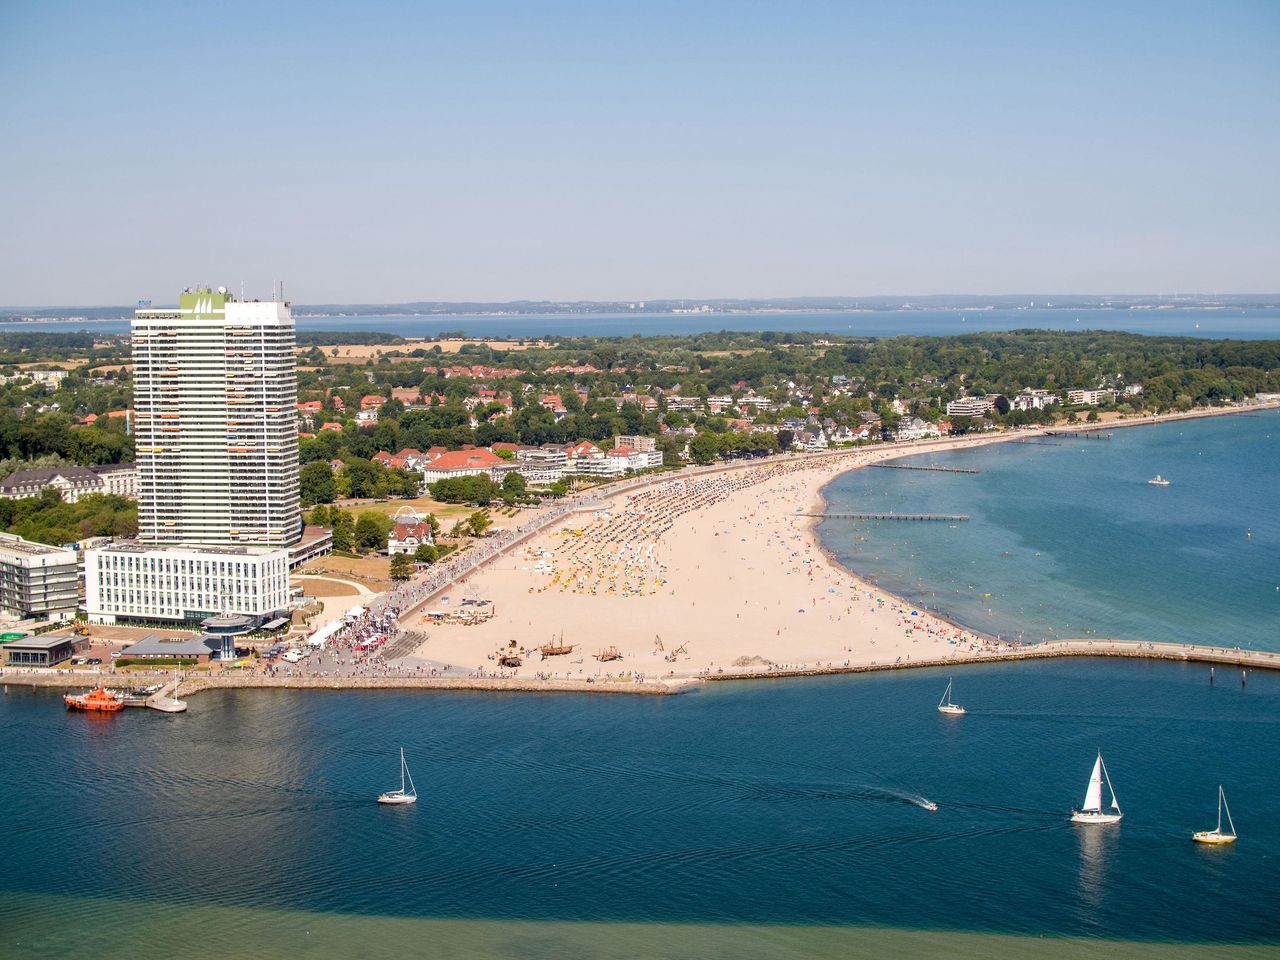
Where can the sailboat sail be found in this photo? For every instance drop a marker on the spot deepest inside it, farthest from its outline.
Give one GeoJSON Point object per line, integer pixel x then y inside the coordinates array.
{"type": "Point", "coordinates": [1093, 796]}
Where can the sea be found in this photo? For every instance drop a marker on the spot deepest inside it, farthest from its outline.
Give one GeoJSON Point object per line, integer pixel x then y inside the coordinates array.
{"type": "Point", "coordinates": [1240, 324]}
{"type": "Point", "coordinates": [755, 819]}
{"type": "Point", "coordinates": [1067, 539]}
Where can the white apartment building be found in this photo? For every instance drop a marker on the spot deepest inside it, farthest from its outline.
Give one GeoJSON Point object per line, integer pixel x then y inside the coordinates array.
{"type": "Point", "coordinates": [184, 584]}
{"type": "Point", "coordinates": [969, 407]}
{"type": "Point", "coordinates": [1034, 400]}
{"type": "Point", "coordinates": [543, 465]}
{"type": "Point", "coordinates": [642, 444]}
{"type": "Point", "coordinates": [37, 580]}
{"type": "Point", "coordinates": [215, 396]}
{"type": "Point", "coordinates": [1090, 398]}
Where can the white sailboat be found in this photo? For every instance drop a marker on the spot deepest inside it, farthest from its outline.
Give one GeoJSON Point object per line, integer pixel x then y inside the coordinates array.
{"type": "Point", "coordinates": [946, 706]}
{"type": "Point", "coordinates": [1217, 836]}
{"type": "Point", "coordinates": [403, 795]}
{"type": "Point", "coordinates": [1092, 810]}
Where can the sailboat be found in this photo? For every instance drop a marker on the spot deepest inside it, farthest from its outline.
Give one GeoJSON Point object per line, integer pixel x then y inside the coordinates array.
{"type": "Point", "coordinates": [1092, 811]}
{"type": "Point", "coordinates": [946, 706]}
{"type": "Point", "coordinates": [1217, 836]}
{"type": "Point", "coordinates": [402, 795]}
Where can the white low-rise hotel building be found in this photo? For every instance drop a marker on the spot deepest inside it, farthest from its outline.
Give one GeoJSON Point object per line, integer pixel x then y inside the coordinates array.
{"type": "Point", "coordinates": [183, 584]}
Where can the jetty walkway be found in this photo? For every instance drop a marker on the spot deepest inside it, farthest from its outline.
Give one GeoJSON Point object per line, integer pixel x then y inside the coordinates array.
{"type": "Point", "coordinates": [934, 517]}
{"type": "Point", "coordinates": [909, 466]}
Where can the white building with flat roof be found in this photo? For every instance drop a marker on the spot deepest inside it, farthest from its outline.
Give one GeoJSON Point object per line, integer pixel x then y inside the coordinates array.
{"type": "Point", "coordinates": [183, 584]}
{"type": "Point", "coordinates": [215, 395]}
{"type": "Point", "coordinates": [969, 407]}
{"type": "Point", "coordinates": [37, 580]}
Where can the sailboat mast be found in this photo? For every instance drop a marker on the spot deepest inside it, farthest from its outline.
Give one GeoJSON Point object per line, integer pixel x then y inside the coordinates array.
{"type": "Point", "coordinates": [402, 769]}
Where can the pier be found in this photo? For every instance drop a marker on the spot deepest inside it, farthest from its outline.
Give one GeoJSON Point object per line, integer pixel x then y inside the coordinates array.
{"type": "Point", "coordinates": [926, 517]}
{"type": "Point", "coordinates": [1080, 434]}
{"type": "Point", "coordinates": [906, 466]}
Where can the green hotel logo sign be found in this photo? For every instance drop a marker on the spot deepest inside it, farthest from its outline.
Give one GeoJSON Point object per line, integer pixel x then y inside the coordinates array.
{"type": "Point", "coordinates": [203, 303]}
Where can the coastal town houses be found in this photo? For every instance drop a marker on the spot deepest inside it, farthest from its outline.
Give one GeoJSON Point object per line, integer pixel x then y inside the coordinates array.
{"type": "Point", "coordinates": [72, 483]}
{"type": "Point", "coordinates": [1034, 400]}
{"type": "Point", "coordinates": [913, 428]}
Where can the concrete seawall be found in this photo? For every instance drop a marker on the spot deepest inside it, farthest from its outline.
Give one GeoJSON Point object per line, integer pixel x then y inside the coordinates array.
{"type": "Point", "coordinates": [1053, 649]}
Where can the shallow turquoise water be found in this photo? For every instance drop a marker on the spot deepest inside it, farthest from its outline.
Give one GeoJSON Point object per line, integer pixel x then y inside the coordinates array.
{"type": "Point", "coordinates": [783, 803]}
{"type": "Point", "coordinates": [1067, 539]}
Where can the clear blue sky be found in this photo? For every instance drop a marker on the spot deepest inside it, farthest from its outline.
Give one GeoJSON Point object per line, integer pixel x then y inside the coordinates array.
{"type": "Point", "coordinates": [376, 152]}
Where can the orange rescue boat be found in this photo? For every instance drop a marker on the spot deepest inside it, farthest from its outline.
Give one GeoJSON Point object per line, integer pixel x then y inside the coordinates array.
{"type": "Point", "coordinates": [97, 699]}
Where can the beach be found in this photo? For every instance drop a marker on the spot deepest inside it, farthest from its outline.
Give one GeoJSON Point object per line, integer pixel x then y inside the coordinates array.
{"type": "Point", "coordinates": [691, 577]}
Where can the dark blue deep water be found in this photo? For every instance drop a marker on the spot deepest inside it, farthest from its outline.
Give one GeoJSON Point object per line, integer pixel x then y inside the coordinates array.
{"type": "Point", "coordinates": [783, 803]}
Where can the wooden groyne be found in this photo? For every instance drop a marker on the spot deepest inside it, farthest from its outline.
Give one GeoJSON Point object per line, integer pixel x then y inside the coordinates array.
{"type": "Point", "coordinates": [1079, 434]}
{"type": "Point", "coordinates": [927, 517]}
{"type": "Point", "coordinates": [908, 466]}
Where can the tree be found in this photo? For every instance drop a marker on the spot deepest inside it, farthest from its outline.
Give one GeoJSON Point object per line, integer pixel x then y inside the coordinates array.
{"type": "Point", "coordinates": [479, 490]}
{"type": "Point", "coordinates": [478, 523]}
{"type": "Point", "coordinates": [361, 477]}
{"type": "Point", "coordinates": [343, 530]}
{"type": "Point", "coordinates": [785, 437]}
{"type": "Point", "coordinates": [371, 530]}
{"type": "Point", "coordinates": [401, 567]}
{"type": "Point", "coordinates": [1001, 404]}
{"type": "Point", "coordinates": [514, 486]}
{"type": "Point", "coordinates": [426, 553]}
{"type": "Point", "coordinates": [704, 448]}
{"type": "Point", "coordinates": [316, 484]}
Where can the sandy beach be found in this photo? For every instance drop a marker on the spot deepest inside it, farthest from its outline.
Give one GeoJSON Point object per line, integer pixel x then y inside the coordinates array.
{"type": "Point", "coordinates": [699, 576]}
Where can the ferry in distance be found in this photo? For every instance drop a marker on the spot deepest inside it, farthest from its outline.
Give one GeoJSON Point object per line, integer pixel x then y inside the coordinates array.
{"type": "Point", "coordinates": [1158, 481]}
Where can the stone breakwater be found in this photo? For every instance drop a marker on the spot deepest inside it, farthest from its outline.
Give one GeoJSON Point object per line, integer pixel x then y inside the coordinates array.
{"type": "Point", "coordinates": [1049, 650]}
{"type": "Point", "coordinates": [1053, 649]}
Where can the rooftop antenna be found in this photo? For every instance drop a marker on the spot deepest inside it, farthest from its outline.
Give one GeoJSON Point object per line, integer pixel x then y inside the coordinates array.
{"type": "Point", "coordinates": [242, 291]}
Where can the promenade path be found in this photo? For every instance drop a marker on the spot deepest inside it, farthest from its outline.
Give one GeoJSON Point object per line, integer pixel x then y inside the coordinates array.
{"type": "Point", "coordinates": [1051, 649]}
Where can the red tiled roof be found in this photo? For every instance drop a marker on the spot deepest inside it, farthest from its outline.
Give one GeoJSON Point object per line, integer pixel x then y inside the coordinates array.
{"type": "Point", "coordinates": [466, 460]}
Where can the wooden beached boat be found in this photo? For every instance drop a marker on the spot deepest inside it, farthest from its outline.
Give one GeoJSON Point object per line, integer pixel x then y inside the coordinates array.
{"type": "Point", "coordinates": [608, 653]}
{"type": "Point", "coordinates": [554, 649]}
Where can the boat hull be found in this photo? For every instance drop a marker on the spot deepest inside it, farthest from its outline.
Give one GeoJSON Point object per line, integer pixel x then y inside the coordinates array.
{"type": "Point", "coordinates": [952, 710]}
{"type": "Point", "coordinates": [1212, 837]}
{"type": "Point", "coordinates": [396, 799]}
{"type": "Point", "coordinates": [1095, 818]}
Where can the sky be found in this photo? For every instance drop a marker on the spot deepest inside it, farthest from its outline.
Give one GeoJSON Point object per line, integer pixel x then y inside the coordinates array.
{"type": "Point", "coordinates": [383, 152]}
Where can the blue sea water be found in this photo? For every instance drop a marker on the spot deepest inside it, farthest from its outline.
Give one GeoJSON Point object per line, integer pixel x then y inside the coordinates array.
{"type": "Point", "coordinates": [1246, 324]}
{"type": "Point", "coordinates": [235, 829]}
{"type": "Point", "coordinates": [1067, 538]}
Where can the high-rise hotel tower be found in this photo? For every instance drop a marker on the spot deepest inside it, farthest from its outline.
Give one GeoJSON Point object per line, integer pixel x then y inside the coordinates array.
{"type": "Point", "coordinates": [215, 422]}
{"type": "Point", "coordinates": [215, 434]}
